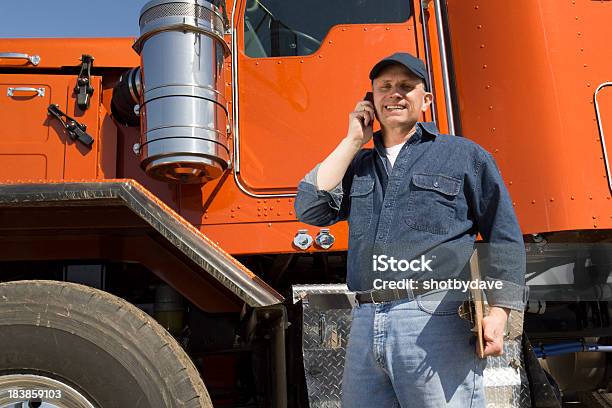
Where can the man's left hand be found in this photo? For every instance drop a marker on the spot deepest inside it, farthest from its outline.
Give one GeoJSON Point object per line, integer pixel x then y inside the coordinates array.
{"type": "Point", "coordinates": [493, 326]}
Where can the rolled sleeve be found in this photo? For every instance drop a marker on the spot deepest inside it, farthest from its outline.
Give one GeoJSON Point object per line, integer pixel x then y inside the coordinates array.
{"type": "Point", "coordinates": [319, 207]}
{"type": "Point", "coordinates": [503, 250]}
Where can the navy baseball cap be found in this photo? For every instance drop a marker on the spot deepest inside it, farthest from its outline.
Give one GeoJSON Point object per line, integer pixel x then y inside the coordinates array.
{"type": "Point", "coordinates": [412, 63]}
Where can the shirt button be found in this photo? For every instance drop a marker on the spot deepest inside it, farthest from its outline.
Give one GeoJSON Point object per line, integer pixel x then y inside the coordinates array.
{"type": "Point", "coordinates": [387, 205]}
{"type": "Point", "coordinates": [436, 184]}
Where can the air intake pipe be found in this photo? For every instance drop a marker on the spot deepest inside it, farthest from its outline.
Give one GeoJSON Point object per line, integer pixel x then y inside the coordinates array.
{"type": "Point", "coordinates": [183, 111]}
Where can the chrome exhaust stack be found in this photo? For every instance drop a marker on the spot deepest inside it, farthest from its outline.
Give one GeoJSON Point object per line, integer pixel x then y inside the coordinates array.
{"type": "Point", "coordinates": [183, 111]}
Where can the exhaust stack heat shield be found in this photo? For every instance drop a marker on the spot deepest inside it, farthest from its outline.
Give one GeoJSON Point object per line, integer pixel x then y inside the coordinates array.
{"type": "Point", "coordinates": [182, 104]}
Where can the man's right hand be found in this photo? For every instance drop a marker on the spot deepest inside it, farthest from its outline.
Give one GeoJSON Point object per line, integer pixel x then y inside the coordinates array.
{"type": "Point", "coordinates": [360, 123]}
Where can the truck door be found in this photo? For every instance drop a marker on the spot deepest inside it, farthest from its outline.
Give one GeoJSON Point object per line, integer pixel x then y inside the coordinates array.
{"type": "Point", "coordinates": [302, 67]}
{"type": "Point", "coordinates": [33, 145]}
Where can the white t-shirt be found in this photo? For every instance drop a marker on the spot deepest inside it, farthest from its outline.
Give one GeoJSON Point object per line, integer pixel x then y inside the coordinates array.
{"type": "Point", "coordinates": [393, 151]}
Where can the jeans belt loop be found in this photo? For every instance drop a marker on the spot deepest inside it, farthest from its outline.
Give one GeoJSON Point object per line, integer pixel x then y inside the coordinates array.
{"type": "Point", "coordinates": [372, 297]}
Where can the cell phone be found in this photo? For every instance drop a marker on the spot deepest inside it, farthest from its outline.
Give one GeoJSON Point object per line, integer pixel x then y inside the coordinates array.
{"type": "Point", "coordinates": [370, 98]}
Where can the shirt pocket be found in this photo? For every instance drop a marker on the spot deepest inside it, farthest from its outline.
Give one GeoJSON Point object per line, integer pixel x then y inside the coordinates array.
{"type": "Point", "coordinates": [362, 204]}
{"type": "Point", "coordinates": [431, 204]}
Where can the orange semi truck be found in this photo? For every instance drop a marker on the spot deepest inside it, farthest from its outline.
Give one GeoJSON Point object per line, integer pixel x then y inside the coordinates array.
{"type": "Point", "coordinates": [149, 251]}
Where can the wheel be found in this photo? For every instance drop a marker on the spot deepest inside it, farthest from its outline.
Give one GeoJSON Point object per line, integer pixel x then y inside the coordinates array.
{"type": "Point", "coordinates": [68, 345]}
{"type": "Point", "coordinates": [595, 399]}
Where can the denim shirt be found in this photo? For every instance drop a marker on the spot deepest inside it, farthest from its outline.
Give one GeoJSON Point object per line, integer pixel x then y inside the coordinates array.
{"type": "Point", "coordinates": [441, 192]}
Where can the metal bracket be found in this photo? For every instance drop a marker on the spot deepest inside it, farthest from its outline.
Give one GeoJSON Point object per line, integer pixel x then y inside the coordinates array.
{"type": "Point", "coordinates": [76, 130]}
{"type": "Point", "coordinates": [83, 88]}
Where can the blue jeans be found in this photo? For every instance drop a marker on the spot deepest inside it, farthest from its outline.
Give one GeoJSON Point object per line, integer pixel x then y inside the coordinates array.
{"type": "Point", "coordinates": [412, 353]}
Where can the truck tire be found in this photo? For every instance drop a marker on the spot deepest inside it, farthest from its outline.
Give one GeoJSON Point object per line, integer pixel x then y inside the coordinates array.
{"type": "Point", "coordinates": [595, 399]}
{"type": "Point", "coordinates": [89, 345]}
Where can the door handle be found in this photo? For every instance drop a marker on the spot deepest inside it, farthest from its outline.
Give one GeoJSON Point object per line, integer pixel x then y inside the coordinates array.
{"type": "Point", "coordinates": [12, 91]}
{"type": "Point", "coordinates": [34, 59]}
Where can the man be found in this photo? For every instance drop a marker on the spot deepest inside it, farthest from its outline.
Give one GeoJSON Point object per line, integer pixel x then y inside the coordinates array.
{"type": "Point", "coordinates": [419, 198]}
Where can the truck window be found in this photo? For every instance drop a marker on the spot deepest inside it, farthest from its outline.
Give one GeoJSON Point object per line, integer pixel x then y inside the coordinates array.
{"type": "Point", "coordinates": [276, 28]}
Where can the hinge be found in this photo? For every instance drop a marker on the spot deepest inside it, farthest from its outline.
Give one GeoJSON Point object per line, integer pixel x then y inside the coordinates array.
{"type": "Point", "coordinates": [83, 88]}
{"type": "Point", "coordinates": [76, 130]}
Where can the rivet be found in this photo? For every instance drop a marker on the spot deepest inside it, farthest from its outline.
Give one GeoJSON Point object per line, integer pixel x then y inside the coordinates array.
{"type": "Point", "coordinates": [344, 29]}
{"type": "Point", "coordinates": [588, 85]}
{"type": "Point", "coordinates": [594, 217]}
{"type": "Point", "coordinates": [484, 66]}
{"type": "Point", "coordinates": [576, 17]}
{"type": "Point", "coordinates": [266, 214]}
{"type": "Point", "coordinates": [409, 28]}
{"type": "Point", "coordinates": [320, 56]}
{"type": "Point", "coordinates": [590, 197]}
{"type": "Point", "coordinates": [257, 63]}
{"type": "Point", "coordinates": [269, 224]}
{"type": "Point", "coordinates": [365, 28]}
{"type": "Point", "coordinates": [387, 28]}
{"type": "Point", "coordinates": [482, 45]}
{"type": "Point", "coordinates": [594, 225]}
{"type": "Point", "coordinates": [277, 213]}
{"type": "Point", "coordinates": [579, 33]}
{"type": "Point", "coordinates": [496, 150]}
{"type": "Point", "coordinates": [493, 129]}
{"type": "Point", "coordinates": [479, 26]}
{"type": "Point", "coordinates": [206, 217]}
{"type": "Point", "coordinates": [301, 61]}
{"type": "Point", "coordinates": [514, 204]}
{"type": "Point", "coordinates": [290, 212]}
{"type": "Point", "coordinates": [238, 207]}
{"type": "Point", "coordinates": [572, 197]}
{"type": "Point", "coordinates": [552, 199]}
{"type": "Point", "coordinates": [265, 208]}
{"type": "Point", "coordinates": [232, 210]}
{"type": "Point", "coordinates": [278, 200]}
{"type": "Point", "coordinates": [532, 201]}
{"type": "Point", "coordinates": [490, 107]}
{"type": "Point", "coordinates": [582, 49]}
{"type": "Point", "coordinates": [271, 208]}
{"type": "Point", "coordinates": [488, 87]}
{"type": "Point", "coordinates": [279, 62]}
{"type": "Point", "coordinates": [329, 42]}
{"type": "Point", "coordinates": [510, 183]}
{"type": "Point", "coordinates": [475, 7]}
{"type": "Point", "coordinates": [257, 201]}
{"type": "Point", "coordinates": [585, 65]}
{"type": "Point", "coordinates": [264, 201]}
{"type": "Point", "coordinates": [233, 216]}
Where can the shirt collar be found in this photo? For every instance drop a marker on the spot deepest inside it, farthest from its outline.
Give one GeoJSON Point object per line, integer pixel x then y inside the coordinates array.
{"type": "Point", "coordinates": [424, 131]}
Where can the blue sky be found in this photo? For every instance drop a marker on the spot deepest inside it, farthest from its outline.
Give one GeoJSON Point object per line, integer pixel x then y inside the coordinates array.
{"type": "Point", "coordinates": [69, 18]}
